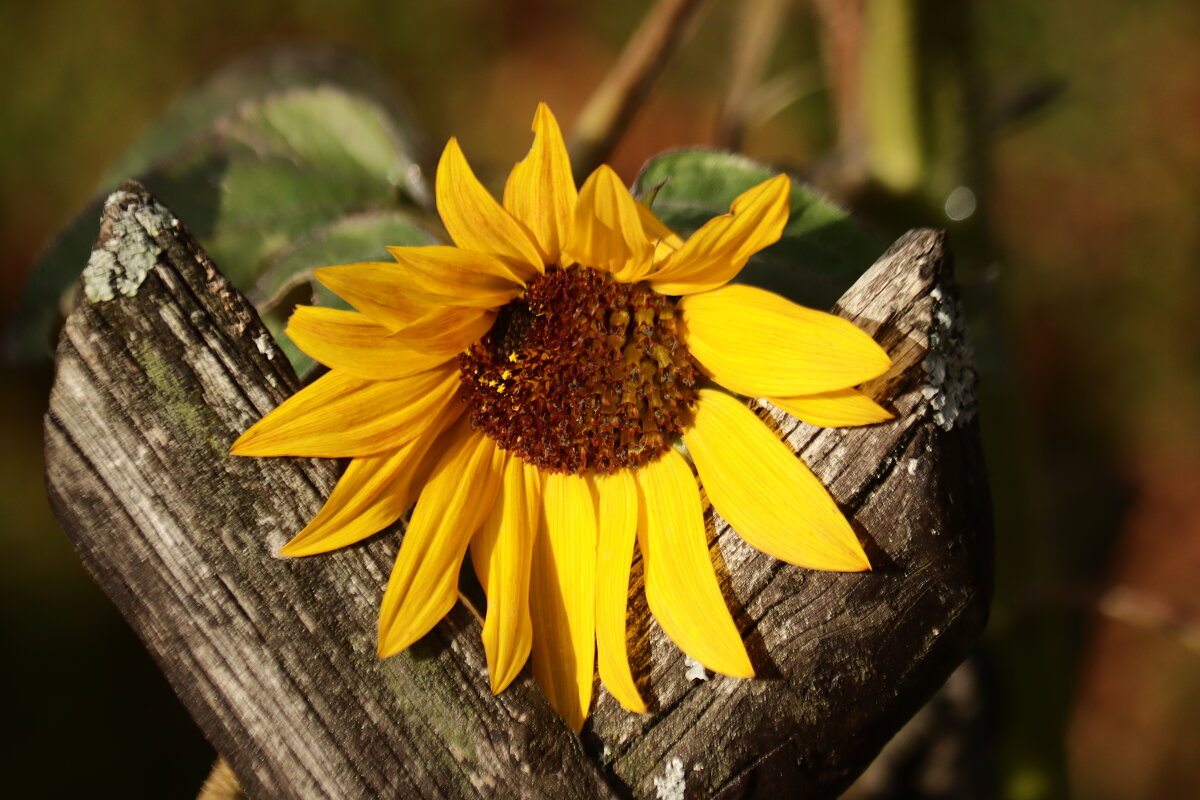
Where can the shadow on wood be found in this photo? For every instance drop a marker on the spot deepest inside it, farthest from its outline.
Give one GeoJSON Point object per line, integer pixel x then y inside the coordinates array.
{"type": "Point", "coordinates": [164, 364]}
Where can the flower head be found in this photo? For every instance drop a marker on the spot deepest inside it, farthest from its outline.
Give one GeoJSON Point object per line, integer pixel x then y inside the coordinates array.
{"type": "Point", "coordinates": [528, 387]}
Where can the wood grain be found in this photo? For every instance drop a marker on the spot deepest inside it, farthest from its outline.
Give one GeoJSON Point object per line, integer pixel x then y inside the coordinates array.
{"type": "Point", "coordinates": [164, 364]}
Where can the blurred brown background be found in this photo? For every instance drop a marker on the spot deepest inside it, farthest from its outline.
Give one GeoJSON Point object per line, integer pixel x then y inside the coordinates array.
{"type": "Point", "coordinates": [1059, 142]}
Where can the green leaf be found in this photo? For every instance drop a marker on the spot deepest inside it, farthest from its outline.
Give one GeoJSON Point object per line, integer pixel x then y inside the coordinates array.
{"type": "Point", "coordinates": [262, 175]}
{"type": "Point", "coordinates": [821, 253]}
{"type": "Point", "coordinates": [275, 169]}
{"type": "Point", "coordinates": [288, 280]}
{"type": "Point", "coordinates": [249, 78]}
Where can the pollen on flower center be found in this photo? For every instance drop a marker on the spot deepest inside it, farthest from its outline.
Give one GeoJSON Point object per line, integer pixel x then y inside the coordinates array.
{"type": "Point", "coordinates": [583, 374]}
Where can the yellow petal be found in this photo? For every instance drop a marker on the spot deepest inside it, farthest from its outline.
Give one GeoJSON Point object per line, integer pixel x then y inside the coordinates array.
{"type": "Point", "coordinates": [563, 597]}
{"type": "Point", "coordinates": [664, 240]}
{"type": "Point", "coordinates": [374, 289]}
{"type": "Point", "coordinates": [765, 492]}
{"type": "Point", "coordinates": [340, 415]}
{"type": "Point", "coordinates": [372, 493]}
{"type": "Point", "coordinates": [541, 190]}
{"type": "Point", "coordinates": [761, 345]}
{"type": "Point", "coordinates": [608, 232]}
{"type": "Point", "coordinates": [843, 408]}
{"type": "Point", "coordinates": [454, 277]}
{"type": "Point", "coordinates": [681, 585]}
{"type": "Point", "coordinates": [454, 503]}
{"type": "Point", "coordinates": [716, 253]}
{"type": "Point", "coordinates": [618, 503]}
{"type": "Point", "coordinates": [475, 221]}
{"type": "Point", "coordinates": [501, 553]}
{"type": "Point", "coordinates": [446, 330]}
{"type": "Point", "coordinates": [354, 344]}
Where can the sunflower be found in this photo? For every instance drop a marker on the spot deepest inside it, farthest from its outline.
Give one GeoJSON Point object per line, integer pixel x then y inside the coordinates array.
{"type": "Point", "coordinates": [549, 391]}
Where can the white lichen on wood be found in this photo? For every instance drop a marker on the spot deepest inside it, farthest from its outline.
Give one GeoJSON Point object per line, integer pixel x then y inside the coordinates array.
{"type": "Point", "coordinates": [126, 251]}
{"type": "Point", "coordinates": [265, 346]}
{"type": "Point", "coordinates": [671, 784]}
{"type": "Point", "coordinates": [950, 377]}
{"type": "Point", "coordinates": [695, 671]}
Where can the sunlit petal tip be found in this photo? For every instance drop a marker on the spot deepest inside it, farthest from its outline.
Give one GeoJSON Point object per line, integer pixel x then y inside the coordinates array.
{"type": "Point", "coordinates": [255, 441]}
{"type": "Point", "coordinates": [717, 252]}
{"type": "Point", "coordinates": [501, 552]}
{"type": "Point", "coordinates": [563, 598]}
{"type": "Point", "coordinates": [453, 504]}
{"type": "Point", "coordinates": [322, 274]}
{"type": "Point", "coordinates": [540, 191]}
{"type": "Point", "coordinates": [630, 701]}
{"type": "Point", "coordinates": [354, 343]}
{"type": "Point", "coordinates": [301, 547]}
{"type": "Point", "coordinates": [396, 638]}
{"type": "Point", "coordinates": [331, 273]}
{"type": "Point", "coordinates": [452, 152]}
{"type": "Point", "coordinates": [373, 492]}
{"type": "Point", "coordinates": [338, 276]}
{"type": "Point", "coordinates": [446, 330]}
{"type": "Point", "coordinates": [339, 415]}
{"type": "Point", "coordinates": [392, 639]}
{"type": "Point", "coordinates": [499, 681]}
{"type": "Point", "coordinates": [452, 276]}
{"type": "Point", "coordinates": [838, 409]}
{"type": "Point", "coordinates": [377, 289]}
{"type": "Point", "coordinates": [765, 492]}
{"type": "Point", "coordinates": [681, 583]}
{"type": "Point", "coordinates": [386, 649]}
{"type": "Point", "coordinates": [779, 185]}
{"type": "Point", "coordinates": [545, 124]}
{"type": "Point", "coordinates": [772, 197]}
{"type": "Point", "coordinates": [664, 240]}
{"type": "Point", "coordinates": [475, 221]}
{"type": "Point", "coordinates": [292, 550]}
{"type": "Point", "coordinates": [759, 344]}
{"type": "Point", "coordinates": [607, 175]}
{"type": "Point", "coordinates": [239, 446]}
{"type": "Point", "coordinates": [464, 261]}
{"type": "Point", "coordinates": [608, 232]}
{"type": "Point", "coordinates": [618, 518]}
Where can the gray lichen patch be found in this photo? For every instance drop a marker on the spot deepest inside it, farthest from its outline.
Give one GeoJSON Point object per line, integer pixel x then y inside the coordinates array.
{"type": "Point", "coordinates": [949, 366]}
{"type": "Point", "coordinates": [671, 785]}
{"type": "Point", "coordinates": [126, 251]}
{"type": "Point", "coordinates": [264, 345]}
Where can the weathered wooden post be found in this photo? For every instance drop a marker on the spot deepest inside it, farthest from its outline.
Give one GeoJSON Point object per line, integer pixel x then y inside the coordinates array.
{"type": "Point", "coordinates": [163, 364]}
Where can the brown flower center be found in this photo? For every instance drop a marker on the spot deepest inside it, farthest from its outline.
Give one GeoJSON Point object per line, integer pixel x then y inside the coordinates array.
{"type": "Point", "coordinates": [583, 374]}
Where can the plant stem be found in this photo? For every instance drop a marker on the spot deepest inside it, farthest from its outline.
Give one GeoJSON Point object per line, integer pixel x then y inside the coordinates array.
{"type": "Point", "coordinates": [613, 104]}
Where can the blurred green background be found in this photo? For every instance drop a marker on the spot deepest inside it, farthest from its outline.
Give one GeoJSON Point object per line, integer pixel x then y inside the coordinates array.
{"type": "Point", "coordinates": [1058, 142]}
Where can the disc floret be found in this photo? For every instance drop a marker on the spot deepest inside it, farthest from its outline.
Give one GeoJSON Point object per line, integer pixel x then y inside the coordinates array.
{"type": "Point", "coordinates": [582, 374]}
